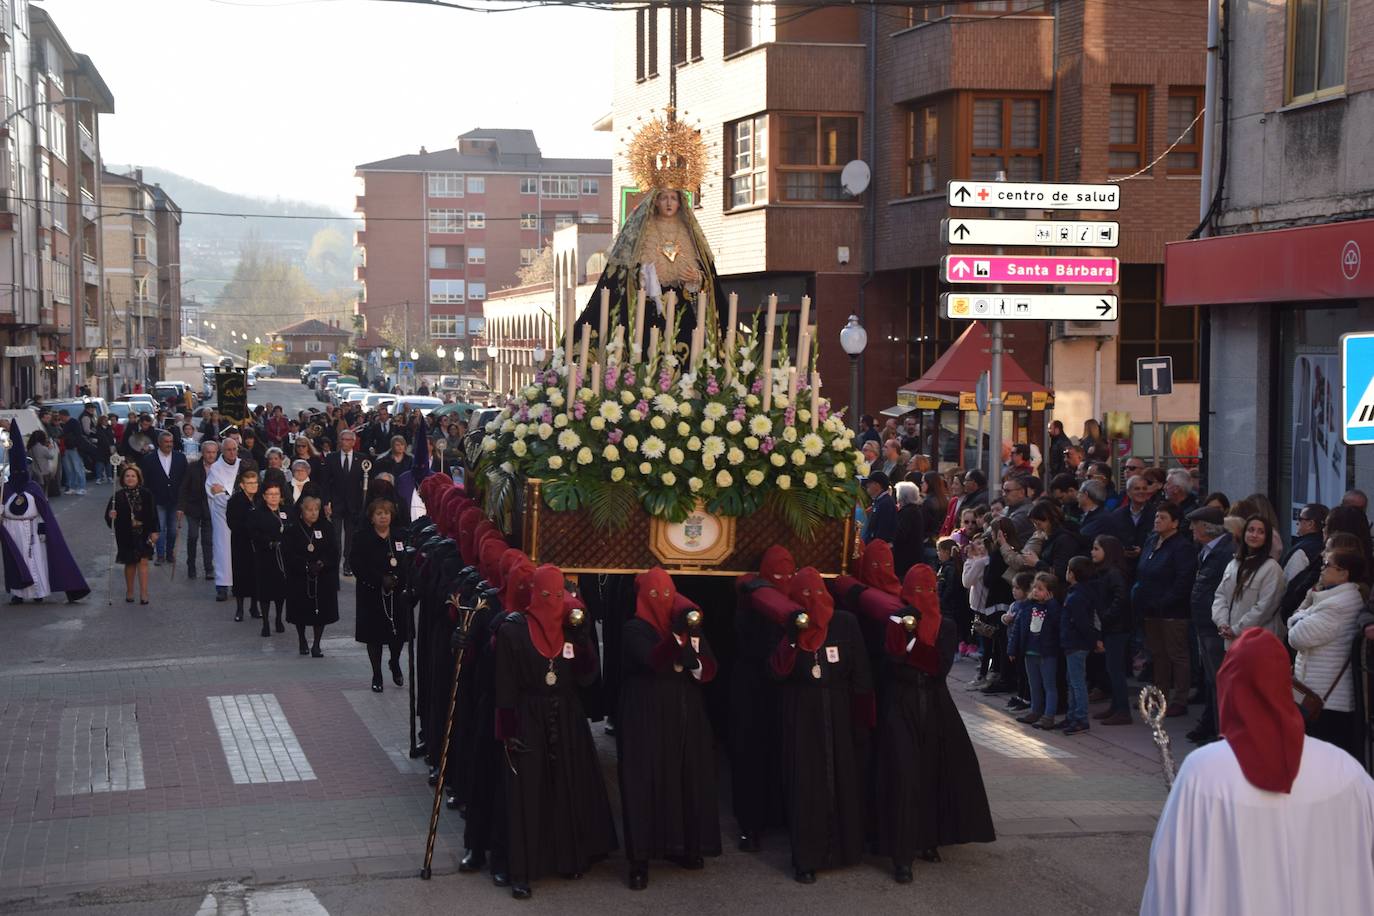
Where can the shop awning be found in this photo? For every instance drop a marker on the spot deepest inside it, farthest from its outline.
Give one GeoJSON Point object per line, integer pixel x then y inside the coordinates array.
{"type": "Point", "coordinates": [1303, 264]}
{"type": "Point", "coordinates": [953, 378]}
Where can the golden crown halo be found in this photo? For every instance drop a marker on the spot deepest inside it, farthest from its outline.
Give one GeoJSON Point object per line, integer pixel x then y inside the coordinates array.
{"type": "Point", "coordinates": [666, 153]}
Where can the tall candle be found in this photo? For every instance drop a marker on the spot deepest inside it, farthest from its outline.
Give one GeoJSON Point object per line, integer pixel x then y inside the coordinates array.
{"type": "Point", "coordinates": [792, 386]}
{"type": "Point", "coordinates": [605, 318]}
{"type": "Point", "coordinates": [803, 349]}
{"type": "Point", "coordinates": [568, 334]}
{"type": "Point", "coordinates": [596, 378]}
{"type": "Point", "coordinates": [639, 327]}
{"type": "Point", "coordinates": [768, 353]}
{"type": "Point", "coordinates": [669, 311]}
{"type": "Point", "coordinates": [583, 347]}
{"type": "Point", "coordinates": [730, 336]}
{"type": "Point", "coordinates": [805, 323]}
{"type": "Point", "coordinates": [572, 386]}
{"type": "Point", "coordinates": [815, 401]}
{"type": "Point", "coordinates": [652, 356]}
{"type": "Point", "coordinates": [701, 317]}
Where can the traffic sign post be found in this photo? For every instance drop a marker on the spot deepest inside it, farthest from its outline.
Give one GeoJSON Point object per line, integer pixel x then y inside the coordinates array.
{"type": "Point", "coordinates": [1154, 376]}
{"type": "Point", "coordinates": [1027, 233]}
{"type": "Point", "coordinates": [987, 306]}
{"type": "Point", "coordinates": [1357, 388]}
{"type": "Point", "coordinates": [1028, 269]}
{"type": "Point", "coordinates": [1033, 196]}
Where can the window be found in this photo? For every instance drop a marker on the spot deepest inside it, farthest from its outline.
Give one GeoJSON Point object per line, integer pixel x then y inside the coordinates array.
{"type": "Point", "coordinates": [446, 291]}
{"type": "Point", "coordinates": [477, 220]}
{"type": "Point", "coordinates": [1003, 6]}
{"type": "Point", "coordinates": [446, 326]}
{"type": "Point", "coordinates": [590, 187]}
{"type": "Point", "coordinates": [59, 208]}
{"type": "Point", "coordinates": [313, 346]}
{"type": "Point", "coordinates": [141, 247]}
{"type": "Point", "coordinates": [1316, 48]}
{"type": "Point", "coordinates": [752, 24]}
{"type": "Point", "coordinates": [477, 291]}
{"type": "Point", "coordinates": [528, 256]}
{"type": "Point", "coordinates": [1126, 129]}
{"type": "Point", "coordinates": [1147, 328]}
{"type": "Point", "coordinates": [1009, 136]}
{"type": "Point", "coordinates": [57, 135]}
{"type": "Point", "coordinates": [287, 345]}
{"type": "Point", "coordinates": [446, 257]}
{"type": "Point", "coordinates": [563, 220]}
{"type": "Point", "coordinates": [749, 161]}
{"type": "Point", "coordinates": [559, 186]}
{"type": "Point", "coordinates": [477, 255]}
{"type": "Point", "coordinates": [1185, 131]}
{"type": "Point", "coordinates": [445, 220]}
{"type": "Point", "coordinates": [922, 151]}
{"type": "Point", "coordinates": [686, 32]}
{"type": "Point", "coordinates": [812, 149]}
{"type": "Point", "coordinates": [529, 185]}
{"type": "Point", "coordinates": [529, 220]}
{"type": "Point", "coordinates": [445, 184]}
{"type": "Point", "coordinates": [476, 324]}
{"type": "Point", "coordinates": [477, 184]}
{"type": "Point", "coordinates": [646, 43]}
{"type": "Point", "coordinates": [590, 219]}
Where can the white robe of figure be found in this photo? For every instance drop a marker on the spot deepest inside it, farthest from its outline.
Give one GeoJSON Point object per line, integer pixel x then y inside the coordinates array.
{"type": "Point", "coordinates": [223, 474]}
{"type": "Point", "coordinates": [23, 528]}
{"type": "Point", "coordinates": [1224, 847]}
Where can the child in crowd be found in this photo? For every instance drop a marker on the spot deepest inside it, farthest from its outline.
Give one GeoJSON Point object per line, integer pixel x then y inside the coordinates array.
{"type": "Point", "coordinates": [1020, 593]}
{"type": "Point", "coordinates": [1036, 637]}
{"type": "Point", "coordinates": [1078, 635]}
{"type": "Point", "coordinates": [975, 563]}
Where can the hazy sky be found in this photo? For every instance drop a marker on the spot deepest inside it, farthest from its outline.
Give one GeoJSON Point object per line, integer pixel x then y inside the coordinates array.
{"type": "Point", "coordinates": [285, 97]}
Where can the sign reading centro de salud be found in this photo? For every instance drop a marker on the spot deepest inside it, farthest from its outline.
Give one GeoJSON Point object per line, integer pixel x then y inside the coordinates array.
{"type": "Point", "coordinates": [1033, 196]}
{"type": "Point", "coordinates": [964, 268]}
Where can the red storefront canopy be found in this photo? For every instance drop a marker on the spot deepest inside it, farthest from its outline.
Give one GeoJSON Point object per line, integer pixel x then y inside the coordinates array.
{"type": "Point", "coordinates": [1282, 265]}
{"type": "Point", "coordinates": [954, 376]}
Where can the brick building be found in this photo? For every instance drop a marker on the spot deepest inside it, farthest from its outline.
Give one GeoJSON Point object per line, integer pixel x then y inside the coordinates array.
{"type": "Point", "coordinates": [141, 233]}
{"type": "Point", "coordinates": [1283, 270]}
{"type": "Point", "coordinates": [1081, 92]}
{"type": "Point", "coordinates": [310, 339]}
{"type": "Point", "coordinates": [443, 229]}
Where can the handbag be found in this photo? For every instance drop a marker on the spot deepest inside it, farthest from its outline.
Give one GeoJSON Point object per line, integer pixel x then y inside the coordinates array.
{"type": "Point", "coordinates": [1311, 705]}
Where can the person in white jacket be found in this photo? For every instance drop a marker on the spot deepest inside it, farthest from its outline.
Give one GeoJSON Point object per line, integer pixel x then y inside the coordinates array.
{"type": "Point", "coordinates": [1251, 587]}
{"type": "Point", "coordinates": [1322, 630]}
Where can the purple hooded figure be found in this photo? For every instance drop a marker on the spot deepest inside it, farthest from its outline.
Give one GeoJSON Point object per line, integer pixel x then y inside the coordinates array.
{"type": "Point", "coordinates": [37, 560]}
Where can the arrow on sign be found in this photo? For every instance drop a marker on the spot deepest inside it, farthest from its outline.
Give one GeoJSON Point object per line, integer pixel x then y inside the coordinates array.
{"type": "Point", "coordinates": [962, 193]}
{"type": "Point", "coordinates": [1105, 307]}
{"type": "Point", "coordinates": [959, 269]}
{"type": "Point", "coordinates": [961, 230]}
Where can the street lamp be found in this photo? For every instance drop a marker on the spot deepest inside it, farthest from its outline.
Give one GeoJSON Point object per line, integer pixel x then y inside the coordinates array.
{"type": "Point", "coordinates": [441, 353]}
{"type": "Point", "coordinates": [414, 355]}
{"type": "Point", "coordinates": [459, 355]}
{"type": "Point", "coordinates": [853, 340]}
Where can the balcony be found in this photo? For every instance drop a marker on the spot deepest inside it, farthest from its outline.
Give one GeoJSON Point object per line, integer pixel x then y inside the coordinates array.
{"type": "Point", "coordinates": [360, 272]}
{"type": "Point", "coordinates": [90, 271]}
{"type": "Point", "coordinates": [359, 238]}
{"type": "Point", "coordinates": [86, 141]}
{"type": "Point", "coordinates": [89, 210]}
{"type": "Point", "coordinates": [359, 203]}
{"type": "Point", "coordinates": [971, 53]}
{"type": "Point", "coordinates": [796, 77]}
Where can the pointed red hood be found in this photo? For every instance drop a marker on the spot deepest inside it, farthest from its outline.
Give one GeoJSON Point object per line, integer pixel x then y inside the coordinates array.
{"type": "Point", "coordinates": [1256, 712]}
{"type": "Point", "coordinates": [654, 599]}
{"type": "Point", "coordinates": [919, 591]}
{"type": "Point", "coordinates": [809, 591]}
{"type": "Point", "coordinates": [547, 611]}
{"type": "Point", "coordinates": [876, 568]}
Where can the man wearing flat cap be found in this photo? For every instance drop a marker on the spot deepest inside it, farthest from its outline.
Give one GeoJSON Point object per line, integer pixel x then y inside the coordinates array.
{"type": "Point", "coordinates": [882, 514]}
{"type": "Point", "coordinates": [1216, 549]}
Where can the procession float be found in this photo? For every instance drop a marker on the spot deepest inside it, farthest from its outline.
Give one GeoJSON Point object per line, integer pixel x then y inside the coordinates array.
{"type": "Point", "coordinates": [662, 430]}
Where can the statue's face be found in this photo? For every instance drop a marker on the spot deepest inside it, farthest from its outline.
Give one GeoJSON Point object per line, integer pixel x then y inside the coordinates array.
{"type": "Point", "coordinates": [667, 203]}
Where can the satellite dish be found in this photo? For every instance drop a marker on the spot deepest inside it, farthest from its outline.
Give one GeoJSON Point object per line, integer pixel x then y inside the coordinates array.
{"type": "Point", "coordinates": [855, 177]}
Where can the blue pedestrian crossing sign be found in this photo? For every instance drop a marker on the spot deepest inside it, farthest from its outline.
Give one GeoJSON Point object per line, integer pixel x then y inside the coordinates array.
{"type": "Point", "coordinates": [1357, 389]}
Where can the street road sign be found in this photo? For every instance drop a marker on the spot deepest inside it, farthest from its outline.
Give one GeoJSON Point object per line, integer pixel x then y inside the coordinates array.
{"type": "Point", "coordinates": [1154, 376]}
{"type": "Point", "coordinates": [980, 268]}
{"type": "Point", "coordinates": [1357, 389]}
{"type": "Point", "coordinates": [1011, 307]}
{"type": "Point", "coordinates": [1038, 233]}
{"type": "Point", "coordinates": [333, 358]}
{"type": "Point", "coordinates": [1012, 195]}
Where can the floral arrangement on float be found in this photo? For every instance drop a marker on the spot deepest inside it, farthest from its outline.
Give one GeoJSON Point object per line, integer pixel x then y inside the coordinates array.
{"type": "Point", "coordinates": [727, 424]}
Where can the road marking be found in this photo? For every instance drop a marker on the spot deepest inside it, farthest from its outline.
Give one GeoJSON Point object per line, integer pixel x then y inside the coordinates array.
{"type": "Point", "coordinates": [385, 721]}
{"type": "Point", "coordinates": [1008, 739]}
{"type": "Point", "coordinates": [98, 750]}
{"type": "Point", "coordinates": [233, 899]}
{"type": "Point", "coordinates": [258, 742]}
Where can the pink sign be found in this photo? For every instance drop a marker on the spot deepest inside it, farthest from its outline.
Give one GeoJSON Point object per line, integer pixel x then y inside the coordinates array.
{"type": "Point", "coordinates": [964, 268]}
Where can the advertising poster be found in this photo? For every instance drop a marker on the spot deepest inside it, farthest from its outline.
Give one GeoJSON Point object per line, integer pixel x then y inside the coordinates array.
{"type": "Point", "coordinates": [1318, 452]}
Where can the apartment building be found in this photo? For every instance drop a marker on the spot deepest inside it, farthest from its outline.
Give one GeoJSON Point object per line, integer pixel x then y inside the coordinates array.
{"type": "Point", "coordinates": [786, 97]}
{"type": "Point", "coordinates": [50, 170]}
{"type": "Point", "coordinates": [1280, 274]}
{"type": "Point", "coordinates": [444, 229]}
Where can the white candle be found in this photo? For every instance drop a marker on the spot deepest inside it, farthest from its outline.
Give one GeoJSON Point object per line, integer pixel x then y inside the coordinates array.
{"type": "Point", "coordinates": [768, 354]}
{"type": "Point", "coordinates": [583, 347]}
{"type": "Point", "coordinates": [730, 330]}
{"type": "Point", "coordinates": [669, 311]}
{"type": "Point", "coordinates": [803, 349]}
{"type": "Point", "coordinates": [815, 401]}
{"type": "Point", "coordinates": [568, 335]}
{"type": "Point", "coordinates": [792, 386]}
{"type": "Point", "coordinates": [653, 350]}
{"type": "Point", "coordinates": [639, 326]}
{"type": "Point", "coordinates": [596, 378]}
{"type": "Point", "coordinates": [605, 317]}
{"type": "Point", "coordinates": [805, 313]}
{"type": "Point", "coordinates": [701, 317]}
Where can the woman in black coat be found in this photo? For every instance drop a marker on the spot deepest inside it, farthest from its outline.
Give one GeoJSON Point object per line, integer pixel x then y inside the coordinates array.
{"type": "Point", "coordinates": [299, 486]}
{"type": "Point", "coordinates": [666, 750]}
{"type": "Point", "coordinates": [395, 461]}
{"type": "Point", "coordinates": [311, 557]}
{"type": "Point", "coordinates": [909, 542]}
{"type": "Point", "coordinates": [267, 526]}
{"type": "Point", "coordinates": [383, 609]}
{"type": "Point", "coordinates": [133, 516]}
{"type": "Point", "coordinates": [237, 514]}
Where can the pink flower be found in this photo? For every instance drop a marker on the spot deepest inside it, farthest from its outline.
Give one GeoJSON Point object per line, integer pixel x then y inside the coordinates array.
{"type": "Point", "coordinates": [823, 411]}
{"type": "Point", "coordinates": [665, 380]}
{"type": "Point", "coordinates": [757, 387]}
{"type": "Point", "coordinates": [740, 413]}
{"type": "Point", "coordinates": [712, 386]}
{"type": "Point", "coordinates": [642, 406]}
{"type": "Point", "coordinates": [550, 378]}
{"type": "Point", "coordinates": [611, 374]}
{"type": "Point", "coordinates": [629, 377]}
{"type": "Point", "coordinates": [524, 414]}
{"type": "Point", "coordinates": [548, 415]}
{"type": "Point", "coordinates": [579, 410]}
{"type": "Point", "coordinates": [766, 445]}
{"type": "Point", "coordinates": [615, 436]}
{"type": "Point", "coordinates": [789, 416]}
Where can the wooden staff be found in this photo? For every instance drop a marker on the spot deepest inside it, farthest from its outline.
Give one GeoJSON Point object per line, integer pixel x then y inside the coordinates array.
{"type": "Point", "coordinates": [425, 870]}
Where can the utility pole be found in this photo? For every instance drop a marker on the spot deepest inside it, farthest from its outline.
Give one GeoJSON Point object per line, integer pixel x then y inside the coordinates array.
{"type": "Point", "coordinates": [995, 390]}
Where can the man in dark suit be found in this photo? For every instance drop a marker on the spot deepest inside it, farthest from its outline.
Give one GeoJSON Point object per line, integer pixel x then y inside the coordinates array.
{"type": "Point", "coordinates": [1137, 514]}
{"type": "Point", "coordinates": [377, 436]}
{"type": "Point", "coordinates": [882, 513]}
{"type": "Point", "coordinates": [164, 472]}
{"type": "Point", "coordinates": [343, 493]}
{"type": "Point", "coordinates": [194, 504]}
{"type": "Point", "coordinates": [1216, 550]}
{"type": "Point", "coordinates": [1092, 501]}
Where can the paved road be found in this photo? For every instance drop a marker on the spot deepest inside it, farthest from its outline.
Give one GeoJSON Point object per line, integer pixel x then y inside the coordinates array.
{"type": "Point", "coordinates": [150, 754]}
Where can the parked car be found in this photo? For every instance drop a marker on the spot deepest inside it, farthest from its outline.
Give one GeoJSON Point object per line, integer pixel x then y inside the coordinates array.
{"type": "Point", "coordinates": [321, 382]}
{"type": "Point", "coordinates": [309, 370]}
{"type": "Point", "coordinates": [140, 403]}
{"type": "Point", "coordinates": [417, 402]}
{"type": "Point", "coordinates": [265, 370]}
{"type": "Point", "coordinates": [375, 399]}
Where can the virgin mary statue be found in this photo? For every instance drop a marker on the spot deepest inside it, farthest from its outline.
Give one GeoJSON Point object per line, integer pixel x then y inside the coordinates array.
{"type": "Point", "coordinates": [661, 248]}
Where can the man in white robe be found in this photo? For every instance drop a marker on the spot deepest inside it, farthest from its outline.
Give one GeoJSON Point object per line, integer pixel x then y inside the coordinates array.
{"type": "Point", "coordinates": [219, 486]}
{"type": "Point", "coordinates": [1268, 821]}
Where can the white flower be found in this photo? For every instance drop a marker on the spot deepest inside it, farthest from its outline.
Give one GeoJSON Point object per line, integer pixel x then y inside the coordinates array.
{"type": "Point", "coordinates": [545, 430]}
{"type": "Point", "coordinates": [708, 426]}
{"type": "Point", "coordinates": [752, 443]}
{"type": "Point", "coordinates": [597, 423]}
{"type": "Point", "coordinates": [646, 468]}
{"type": "Point", "coordinates": [491, 428]}
{"type": "Point", "coordinates": [508, 467]}
{"type": "Point", "coordinates": [840, 444]}
{"type": "Point", "coordinates": [734, 456]}
{"type": "Point", "coordinates": [560, 421]}
{"type": "Point", "coordinates": [862, 468]}
{"type": "Point", "coordinates": [810, 480]}
{"type": "Point", "coordinates": [760, 425]}
{"type": "Point", "coordinates": [518, 448]}
{"type": "Point", "coordinates": [776, 459]}
{"type": "Point", "coordinates": [683, 429]}
{"type": "Point", "coordinates": [556, 399]}
{"type": "Point", "coordinates": [783, 481]}
{"type": "Point", "coordinates": [627, 397]}
{"type": "Point", "coordinates": [665, 403]}
{"type": "Point", "coordinates": [646, 393]}
{"type": "Point", "coordinates": [842, 470]}
{"type": "Point", "coordinates": [631, 444]}
{"type": "Point", "coordinates": [522, 430]}
{"type": "Point", "coordinates": [584, 455]}
{"type": "Point", "coordinates": [635, 416]}
{"type": "Point", "coordinates": [694, 444]}
{"type": "Point", "coordinates": [610, 411]}
{"type": "Point", "coordinates": [812, 444]}
{"type": "Point", "coordinates": [653, 447]}
{"type": "Point", "coordinates": [585, 395]}
{"type": "Point", "coordinates": [803, 415]}
{"type": "Point", "coordinates": [789, 434]}
{"type": "Point", "coordinates": [708, 462]}
{"type": "Point", "coordinates": [658, 422]}
{"type": "Point", "coordinates": [714, 446]}
{"type": "Point", "coordinates": [751, 400]}
{"type": "Point", "coordinates": [675, 455]}
{"type": "Point", "coordinates": [568, 440]}
{"type": "Point", "coordinates": [610, 453]}
{"type": "Point", "coordinates": [714, 411]}
{"type": "Point", "coordinates": [684, 409]}
{"type": "Point", "coordinates": [780, 400]}
{"type": "Point", "coordinates": [507, 426]}
{"type": "Point", "coordinates": [550, 393]}
{"type": "Point", "coordinates": [833, 424]}
{"type": "Point", "coordinates": [798, 457]}
{"type": "Point", "coordinates": [488, 444]}
{"type": "Point", "coordinates": [668, 478]}
{"type": "Point", "coordinates": [734, 427]}
{"type": "Point", "coordinates": [694, 484]}
{"type": "Point", "coordinates": [555, 462]}
{"type": "Point", "coordinates": [725, 479]}
{"type": "Point", "coordinates": [746, 366]}
{"type": "Point", "coordinates": [617, 474]}
{"type": "Point", "coordinates": [754, 477]}
{"type": "Point", "coordinates": [738, 388]}
{"type": "Point", "coordinates": [531, 392]}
